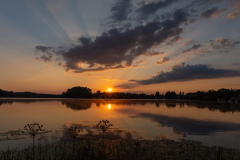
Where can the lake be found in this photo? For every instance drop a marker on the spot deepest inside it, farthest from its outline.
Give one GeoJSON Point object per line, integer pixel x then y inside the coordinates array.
{"type": "Point", "coordinates": [209, 122]}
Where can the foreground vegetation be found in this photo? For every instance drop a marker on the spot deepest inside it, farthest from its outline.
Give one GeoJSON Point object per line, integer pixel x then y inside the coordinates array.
{"type": "Point", "coordinates": [89, 148]}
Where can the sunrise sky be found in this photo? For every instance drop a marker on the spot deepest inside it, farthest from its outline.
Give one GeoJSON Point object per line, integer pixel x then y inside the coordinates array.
{"type": "Point", "coordinates": [48, 46]}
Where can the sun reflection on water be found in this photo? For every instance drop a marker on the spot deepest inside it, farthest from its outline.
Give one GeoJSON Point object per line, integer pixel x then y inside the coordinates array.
{"type": "Point", "coordinates": [109, 106]}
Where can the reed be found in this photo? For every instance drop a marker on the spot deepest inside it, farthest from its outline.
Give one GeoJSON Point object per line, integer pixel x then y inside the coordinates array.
{"type": "Point", "coordinates": [122, 149]}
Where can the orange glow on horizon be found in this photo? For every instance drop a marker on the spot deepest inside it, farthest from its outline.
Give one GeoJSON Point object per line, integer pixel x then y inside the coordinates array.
{"type": "Point", "coordinates": [109, 89]}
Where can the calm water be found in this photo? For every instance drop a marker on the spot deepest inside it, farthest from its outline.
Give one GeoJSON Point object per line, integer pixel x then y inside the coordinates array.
{"type": "Point", "coordinates": [210, 123]}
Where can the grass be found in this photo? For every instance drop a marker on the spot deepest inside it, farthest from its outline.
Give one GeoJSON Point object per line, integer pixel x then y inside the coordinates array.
{"type": "Point", "coordinates": [89, 148]}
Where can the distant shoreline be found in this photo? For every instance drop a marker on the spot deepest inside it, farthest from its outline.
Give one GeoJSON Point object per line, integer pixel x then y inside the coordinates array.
{"type": "Point", "coordinates": [221, 95]}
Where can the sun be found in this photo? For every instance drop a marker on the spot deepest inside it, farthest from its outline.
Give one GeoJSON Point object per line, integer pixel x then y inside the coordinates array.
{"type": "Point", "coordinates": [109, 89]}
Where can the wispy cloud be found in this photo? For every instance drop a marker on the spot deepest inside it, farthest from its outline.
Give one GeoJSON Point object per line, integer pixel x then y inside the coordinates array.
{"type": "Point", "coordinates": [153, 7]}
{"type": "Point", "coordinates": [235, 10]}
{"type": "Point", "coordinates": [212, 13]}
{"type": "Point", "coordinates": [163, 60]}
{"type": "Point", "coordinates": [189, 42]}
{"type": "Point", "coordinates": [233, 14]}
{"type": "Point", "coordinates": [223, 43]}
{"type": "Point", "coordinates": [193, 48]}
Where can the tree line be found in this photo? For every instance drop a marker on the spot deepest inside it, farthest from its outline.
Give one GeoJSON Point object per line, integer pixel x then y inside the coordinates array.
{"type": "Point", "coordinates": [84, 92]}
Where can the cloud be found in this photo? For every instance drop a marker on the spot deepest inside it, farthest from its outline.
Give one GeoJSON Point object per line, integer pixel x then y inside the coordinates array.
{"type": "Point", "coordinates": [153, 53]}
{"type": "Point", "coordinates": [117, 48]}
{"type": "Point", "coordinates": [235, 12]}
{"type": "Point", "coordinates": [236, 64]}
{"type": "Point", "coordinates": [188, 42]}
{"type": "Point", "coordinates": [152, 8]}
{"type": "Point", "coordinates": [233, 15]}
{"type": "Point", "coordinates": [179, 18]}
{"type": "Point", "coordinates": [209, 46]}
{"type": "Point", "coordinates": [181, 73]}
{"type": "Point", "coordinates": [173, 40]}
{"type": "Point", "coordinates": [235, 4]}
{"type": "Point", "coordinates": [43, 49]}
{"type": "Point", "coordinates": [47, 56]}
{"type": "Point", "coordinates": [193, 48]}
{"type": "Point", "coordinates": [223, 43]}
{"type": "Point", "coordinates": [139, 62]}
{"type": "Point", "coordinates": [126, 85]}
{"type": "Point", "coordinates": [121, 10]}
{"type": "Point", "coordinates": [163, 60]}
{"type": "Point", "coordinates": [212, 13]}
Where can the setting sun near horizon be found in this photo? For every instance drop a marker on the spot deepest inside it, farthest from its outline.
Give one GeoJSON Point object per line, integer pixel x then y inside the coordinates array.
{"type": "Point", "coordinates": [109, 89]}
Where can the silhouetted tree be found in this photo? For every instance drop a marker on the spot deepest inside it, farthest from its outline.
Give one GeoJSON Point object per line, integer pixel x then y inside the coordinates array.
{"type": "Point", "coordinates": [98, 95]}
{"type": "Point", "coordinates": [6, 93]}
{"type": "Point", "coordinates": [170, 95]}
{"type": "Point", "coordinates": [78, 92]}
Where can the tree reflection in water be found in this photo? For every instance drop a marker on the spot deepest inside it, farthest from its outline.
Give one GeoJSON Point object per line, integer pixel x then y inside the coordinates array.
{"type": "Point", "coordinates": [77, 104]}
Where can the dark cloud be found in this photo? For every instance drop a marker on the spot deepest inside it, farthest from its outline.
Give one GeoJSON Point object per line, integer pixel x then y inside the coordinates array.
{"type": "Point", "coordinates": [198, 7]}
{"type": "Point", "coordinates": [152, 8]}
{"type": "Point", "coordinates": [163, 60]}
{"type": "Point", "coordinates": [121, 10]}
{"type": "Point", "coordinates": [43, 49]}
{"type": "Point", "coordinates": [126, 85]}
{"type": "Point", "coordinates": [193, 48]}
{"type": "Point", "coordinates": [181, 73]}
{"type": "Point", "coordinates": [118, 48]}
{"type": "Point", "coordinates": [223, 43]}
{"type": "Point", "coordinates": [212, 13]}
{"type": "Point", "coordinates": [210, 46]}
{"type": "Point", "coordinates": [179, 18]}
{"type": "Point", "coordinates": [47, 56]}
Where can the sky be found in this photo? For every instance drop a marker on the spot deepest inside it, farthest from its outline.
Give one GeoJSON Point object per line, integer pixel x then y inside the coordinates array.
{"type": "Point", "coordinates": [48, 46]}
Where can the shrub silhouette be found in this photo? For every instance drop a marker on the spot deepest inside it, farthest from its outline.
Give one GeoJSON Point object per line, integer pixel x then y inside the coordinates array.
{"type": "Point", "coordinates": [74, 132]}
{"type": "Point", "coordinates": [103, 125]}
{"type": "Point", "coordinates": [33, 129]}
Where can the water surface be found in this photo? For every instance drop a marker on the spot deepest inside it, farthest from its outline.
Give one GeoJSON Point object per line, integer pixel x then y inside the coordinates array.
{"type": "Point", "coordinates": [208, 122]}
